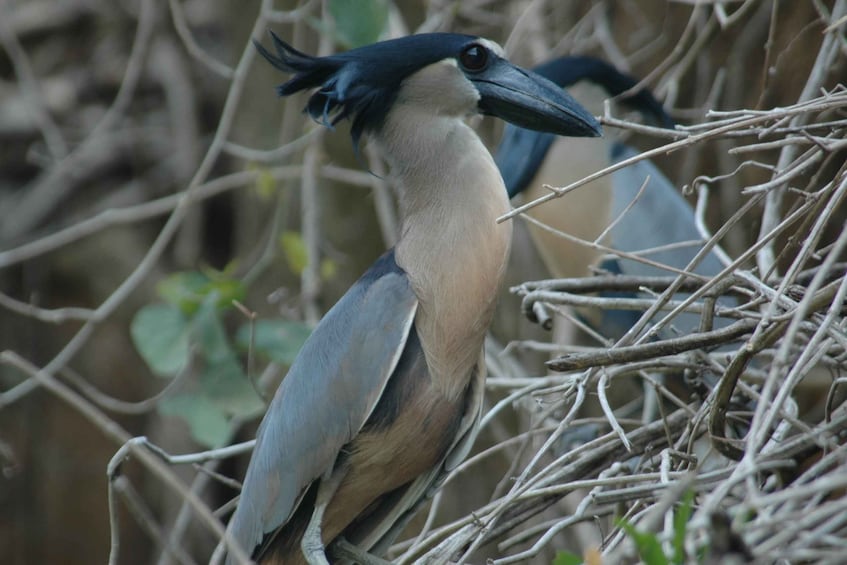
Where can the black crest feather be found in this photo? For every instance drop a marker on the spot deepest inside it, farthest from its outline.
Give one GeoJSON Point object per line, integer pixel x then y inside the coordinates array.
{"type": "Point", "coordinates": [360, 84]}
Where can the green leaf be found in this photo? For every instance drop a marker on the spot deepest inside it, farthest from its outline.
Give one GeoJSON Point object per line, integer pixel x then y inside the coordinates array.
{"type": "Point", "coordinates": [328, 269]}
{"type": "Point", "coordinates": [183, 290]}
{"type": "Point", "coordinates": [227, 386]}
{"type": "Point", "coordinates": [358, 22]}
{"type": "Point", "coordinates": [160, 334]}
{"type": "Point", "coordinates": [680, 523]}
{"type": "Point", "coordinates": [208, 332]}
{"type": "Point", "coordinates": [222, 380]}
{"type": "Point", "coordinates": [265, 183]}
{"type": "Point", "coordinates": [278, 340]}
{"type": "Point", "coordinates": [188, 290]}
{"type": "Point", "coordinates": [206, 421]}
{"type": "Point", "coordinates": [227, 289]}
{"type": "Point", "coordinates": [294, 249]}
{"type": "Point", "coordinates": [567, 558]}
{"type": "Point", "coordinates": [648, 545]}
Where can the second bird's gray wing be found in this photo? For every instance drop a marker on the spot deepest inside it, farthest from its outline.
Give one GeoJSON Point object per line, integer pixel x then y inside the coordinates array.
{"type": "Point", "coordinates": [519, 156]}
{"type": "Point", "coordinates": [326, 398]}
{"type": "Point", "coordinates": [661, 216]}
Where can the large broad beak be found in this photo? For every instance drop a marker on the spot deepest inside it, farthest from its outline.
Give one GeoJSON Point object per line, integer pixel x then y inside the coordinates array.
{"type": "Point", "coordinates": [531, 101]}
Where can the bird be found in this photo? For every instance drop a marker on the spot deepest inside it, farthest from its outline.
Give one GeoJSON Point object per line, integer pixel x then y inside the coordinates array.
{"type": "Point", "coordinates": [385, 395]}
{"type": "Point", "coordinates": [659, 217]}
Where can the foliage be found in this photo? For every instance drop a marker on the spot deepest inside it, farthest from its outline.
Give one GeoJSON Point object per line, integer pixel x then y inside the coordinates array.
{"type": "Point", "coordinates": [358, 22]}
{"type": "Point", "coordinates": [106, 114]}
{"type": "Point", "coordinates": [190, 322]}
{"type": "Point", "coordinates": [567, 558]}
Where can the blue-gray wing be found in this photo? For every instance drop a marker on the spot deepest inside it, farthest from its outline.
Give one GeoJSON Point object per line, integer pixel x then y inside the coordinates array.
{"type": "Point", "coordinates": [326, 398]}
{"type": "Point", "coordinates": [519, 156]}
{"type": "Point", "coordinates": [660, 216]}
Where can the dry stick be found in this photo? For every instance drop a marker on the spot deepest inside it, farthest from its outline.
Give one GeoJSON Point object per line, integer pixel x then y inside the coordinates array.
{"type": "Point", "coordinates": [269, 252]}
{"type": "Point", "coordinates": [607, 410]}
{"type": "Point", "coordinates": [717, 423]}
{"type": "Point", "coordinates": [641, 439]}
{"type": "Point", "coordinates": [728, 21]}
{"type": "Point", "coordinates": [310, 280]}
{"type": "Point", "coordinates": [579, 514]}
{"type": "Point", "coordinates": [31, 91]}
{"type": "Point", "coordinates": [191, 45]}
{"type": "Point", "coordinates": [832, 101]}
{"type": "Point", "coordinates": [345, 175]}
{"type": "Point", "coordinates": [145, 518]}
{"type": "Point", "coordinates": [130, 446]}
{"type": "Point", "coordinates": [386, 211]}
{"type": "Point", "coordinates": [165, 235]}
{"type": "Point", "coordinates": [828, 516]}
{"type": "Point", "coordinates": [606, 447]}
{"type": "Point", "coordinates": [747, 276]}
{"type": "Point", "coordinates": [731, 268]}
{"type": "Point", "coordinates": [163, 239]}
{"type": "Point", "coordinates": [676, 53]}
{"type": "Point", "coordinates": [49, 189]}
{"type": "Point", "coordinates": [51, 316]}
{"type": "Point", "coordinates": [651, 350]}
{"type": "Point", "coordinates": [183, 519]}
{"type": "Point", "coordinates": [830, 462]}
{"type": "Point", "coordinates": [747, 465]}
{"type": "Point", "coordinates": [773, 201]}
{"type": "Point", "coordinates": [831, 295]}
{"type": "Point", "coordinates": [533, 299]}
{"type": "Point", "coordinates": [726, 387]}
{"type": "Point", "coordinates": [295, 15]}
{"type": "Point", "coordinates": [793, 170]}
{"type": "Point", "coordinates": [310, 211]}
{"type": "Point", "coordinates": [702, 37]}
{"type": "Point", "coordinates": [560, 428]}
{"type": "Point", "coordinates": [113, 404]}
{"type": "Point", "coordinates": [135, 213]}
{"type": "Point", "coordinates": [609, 283]}
{"type": "Point", "coordinates": [272, 155]}
{"type": "Point", "coordinates": [107, 218]}
{"type": "Point", "coordinates": [612, 251]}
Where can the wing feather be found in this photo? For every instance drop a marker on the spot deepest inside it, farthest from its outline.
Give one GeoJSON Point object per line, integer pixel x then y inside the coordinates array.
{"type": "Point", "coordinates": [326, 398]}
{"type": "Point", "coordinates": [408, 500]}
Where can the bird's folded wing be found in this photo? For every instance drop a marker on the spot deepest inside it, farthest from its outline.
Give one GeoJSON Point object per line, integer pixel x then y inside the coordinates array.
{"type": "Point", "coordinates": [519, 156]}
{"type": "Point", "coordinates": [405, 503]}
{"type": "Point", "coordinates": [327, 396]}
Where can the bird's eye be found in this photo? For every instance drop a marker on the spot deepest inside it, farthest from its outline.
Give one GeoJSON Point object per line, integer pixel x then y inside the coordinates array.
{"type": "Point", "coordinates": [474, 57]}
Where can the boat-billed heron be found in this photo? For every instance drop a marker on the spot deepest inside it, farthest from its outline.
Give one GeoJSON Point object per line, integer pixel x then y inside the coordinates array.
{"type": "Point", "coordinates": [385, 395]}
{"type": "Point", "coordinates": [655, 219]}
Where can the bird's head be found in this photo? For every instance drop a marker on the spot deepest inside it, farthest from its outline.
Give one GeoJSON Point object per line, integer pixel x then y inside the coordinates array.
{"type": "Point", "coordinates": [442, 73]}
{"type": "Point", "coordinates": [521, 152]}
{"type": "Point", "coordinates": [570, 70]}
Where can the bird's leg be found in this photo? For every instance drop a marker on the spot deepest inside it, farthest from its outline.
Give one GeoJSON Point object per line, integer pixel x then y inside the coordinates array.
{"type": "Point", "coordinates": [343, 549]}
{"type": "Point", "coordinates": [312, 543]}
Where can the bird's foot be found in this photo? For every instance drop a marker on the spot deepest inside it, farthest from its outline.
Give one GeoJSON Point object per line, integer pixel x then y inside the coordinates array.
{"type": "Point", "coordinates": [313, 549]}
{"type": "Point", "coordinates": [343, 549]}
{"type": "Point", "coordinates": [312, 544]}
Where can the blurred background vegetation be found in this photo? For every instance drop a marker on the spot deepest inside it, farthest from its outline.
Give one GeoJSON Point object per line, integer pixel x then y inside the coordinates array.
{"type": "Point", "coordinates": [170, 230]}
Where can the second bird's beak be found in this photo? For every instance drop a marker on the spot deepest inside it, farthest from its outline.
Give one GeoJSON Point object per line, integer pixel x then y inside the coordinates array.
{"type": "Point", "coordinates": [530, 101]}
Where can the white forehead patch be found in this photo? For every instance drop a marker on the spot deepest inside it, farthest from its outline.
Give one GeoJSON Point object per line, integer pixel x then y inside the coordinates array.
{"type": "Point", "coordinates": [493, 46]}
